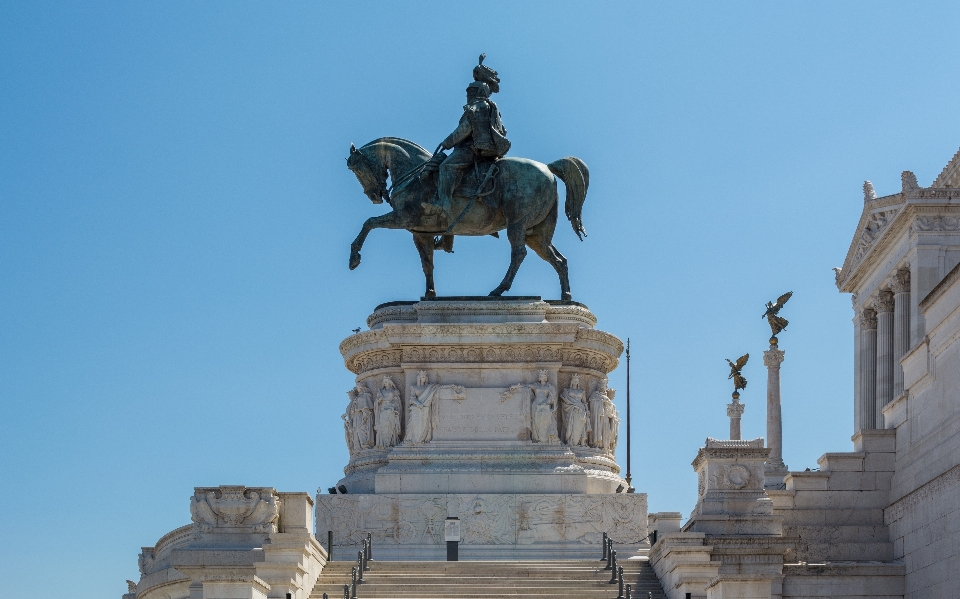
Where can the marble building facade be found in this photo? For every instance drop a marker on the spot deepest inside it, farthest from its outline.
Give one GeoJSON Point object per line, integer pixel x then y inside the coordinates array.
{"type": "Point", "coordinates": [884, 519]}
{"type": "Point", "coordinates": [903, 271]}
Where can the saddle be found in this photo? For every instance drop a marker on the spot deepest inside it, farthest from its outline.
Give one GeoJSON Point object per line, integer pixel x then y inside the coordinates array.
{"type": "Point", "coordinates": [482, 173]}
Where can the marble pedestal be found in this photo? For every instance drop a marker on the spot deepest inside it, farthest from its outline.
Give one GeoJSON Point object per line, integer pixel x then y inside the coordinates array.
{"type": "Point", "coordinates": [505, 422]}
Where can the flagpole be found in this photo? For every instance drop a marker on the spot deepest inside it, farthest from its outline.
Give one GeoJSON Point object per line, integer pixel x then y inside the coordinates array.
{"type": "Point", "coordinates": [629, 477]}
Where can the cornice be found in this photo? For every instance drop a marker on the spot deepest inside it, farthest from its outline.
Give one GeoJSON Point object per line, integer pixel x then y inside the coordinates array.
{"type": "Point", "coordinates": [875, 237]}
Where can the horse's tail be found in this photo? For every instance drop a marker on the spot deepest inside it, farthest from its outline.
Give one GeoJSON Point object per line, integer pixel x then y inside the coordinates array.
{"type": "Point", "coordinates": [576, 177]}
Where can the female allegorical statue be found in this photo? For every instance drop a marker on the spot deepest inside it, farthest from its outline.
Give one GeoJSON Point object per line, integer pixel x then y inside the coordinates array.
{"type": "Point", "coordinates": [362, 418]}
{"type": "Point", "coordinates": [543, 409]}
{"type": "Point", "coordinates": [598, 417]}
{"type": "Point", "coordinates": [388, 414]}
{"type": "Point", "coordinates": [423, 412]}
{"type": "Point", "coordinates": [612, 430]}
{"type": "Point", "coordinates": [575, 423]}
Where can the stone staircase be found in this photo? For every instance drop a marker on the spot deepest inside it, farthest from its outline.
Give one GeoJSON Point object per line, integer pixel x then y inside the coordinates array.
{"type": "Point", "coordinates": [483, 579]}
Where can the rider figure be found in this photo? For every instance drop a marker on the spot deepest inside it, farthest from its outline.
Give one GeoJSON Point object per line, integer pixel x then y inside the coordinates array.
{"type": "Point", "coordinates": [479, 136]}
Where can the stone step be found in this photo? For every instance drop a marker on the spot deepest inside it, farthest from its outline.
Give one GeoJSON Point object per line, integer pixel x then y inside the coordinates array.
{"type": "Point", "coordinates": [587, 575]}
{"type": "Point", "coordinates": [487, 579]}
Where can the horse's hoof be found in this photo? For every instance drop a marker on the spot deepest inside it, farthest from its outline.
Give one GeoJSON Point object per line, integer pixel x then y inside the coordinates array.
{"type": "Point", "coordinates": [497, 292]}
{"type": "Point", "coordinates": [354, 260]}
{"type": "Point", "coordinates": [566, 296]}
{"type": "Point", "coordinates": [430, 293]}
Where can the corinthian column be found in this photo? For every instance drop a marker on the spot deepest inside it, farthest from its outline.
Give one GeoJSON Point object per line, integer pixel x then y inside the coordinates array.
{"type": "Point", "coordinates": [774, 469]}
{"type": "Point", "coordinates": [883, 304]}
{"type": "Point", "coordinates": [867, 367]}
{"type": "Point", "coordinates": [735, 412]}
{"type": "Point", "coordinates": [901, 326]}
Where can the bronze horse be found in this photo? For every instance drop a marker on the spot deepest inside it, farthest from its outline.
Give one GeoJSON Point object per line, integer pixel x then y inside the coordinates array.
{"type": "Point", "coordinates": [523, 201]}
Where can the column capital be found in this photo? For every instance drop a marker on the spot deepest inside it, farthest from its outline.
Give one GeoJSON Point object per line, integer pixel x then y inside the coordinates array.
{"type": "Point", "coordinates": [900, 283]}
{"type": "Point", "coordinates": [883, 302]}
{"type": "Point", "coordinates": [735, 409]}
{"type": "Point", "coordinates": [773, 357]}
{"type": "Point", "coordinates": [868, 318]}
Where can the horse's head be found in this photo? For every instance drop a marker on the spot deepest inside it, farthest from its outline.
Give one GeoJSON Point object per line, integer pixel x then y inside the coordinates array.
{"type": "Point", "coordinates": [371, 175]}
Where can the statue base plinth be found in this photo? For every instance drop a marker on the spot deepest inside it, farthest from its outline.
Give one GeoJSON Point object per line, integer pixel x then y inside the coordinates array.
{"type": "Point", "coordinates": [505, 423]}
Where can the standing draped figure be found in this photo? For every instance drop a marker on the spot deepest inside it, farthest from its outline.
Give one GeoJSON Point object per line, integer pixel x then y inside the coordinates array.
{"type": "Point", "coordinates": [362, 417]}
{"type": "Point", "coordinates": [612, 429]}
{"type": "Point", "coordinates": [423, 408]}
{"type": "Point", "coordinates": [388, 409]}
{"type": "Point", "coordinates": [575, 423]}
{"type": "Point", "coordinates": [543, 409]}
{"type": "Point", "coordinates": [598, 415]}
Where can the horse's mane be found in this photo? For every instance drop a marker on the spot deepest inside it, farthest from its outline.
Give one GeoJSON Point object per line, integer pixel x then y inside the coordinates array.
{"type": "Point", "coordinates": [411, 147]}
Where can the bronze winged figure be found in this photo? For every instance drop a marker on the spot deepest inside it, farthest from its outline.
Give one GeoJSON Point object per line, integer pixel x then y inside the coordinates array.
{"type": "Point", "coordinates": [739, 382]}
{"type": "Point", "coordinates": [777, 323]}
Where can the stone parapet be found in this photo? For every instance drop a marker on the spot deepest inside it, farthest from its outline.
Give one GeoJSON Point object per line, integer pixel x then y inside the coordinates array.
{"type": "Point", "coordinates": [244, 543]}
{"type": "Point", "coordinates": [683, 563]}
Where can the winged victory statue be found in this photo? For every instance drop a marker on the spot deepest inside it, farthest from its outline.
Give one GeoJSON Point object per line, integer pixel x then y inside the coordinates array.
{"type": "Point", "coordinates": [739, 381]}
{"type": "Point", "coordinates": [777, 323]}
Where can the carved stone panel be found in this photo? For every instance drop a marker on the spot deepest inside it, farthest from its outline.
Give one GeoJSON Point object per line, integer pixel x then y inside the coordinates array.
{"type": "Point", "coordinates": [413, 521]}
{"type": "Point", "coordinates": [485, 415]}
{"type": "Point", "coordinates": [234, 509]}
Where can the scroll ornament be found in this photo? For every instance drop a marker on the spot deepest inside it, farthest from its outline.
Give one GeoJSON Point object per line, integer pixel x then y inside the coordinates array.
{"type": "Point", "coordinates": [256, 510]}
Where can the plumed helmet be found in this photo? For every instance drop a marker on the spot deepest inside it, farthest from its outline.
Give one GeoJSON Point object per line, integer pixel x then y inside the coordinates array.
{"type": "Point", "coordinates": [486, 75]}
{"type": "Point", "coordinates": [478, 89]}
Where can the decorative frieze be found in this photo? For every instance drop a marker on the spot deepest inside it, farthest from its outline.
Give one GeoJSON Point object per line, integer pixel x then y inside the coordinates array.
{"type": "Point", "coordinates": [364, 361]}
{"type": "Point", "coordinates": [936, 487]}
{"type": "Point", "coordinates": [397, 520]}
{"type": "Point", "coordinates": [934, 223]}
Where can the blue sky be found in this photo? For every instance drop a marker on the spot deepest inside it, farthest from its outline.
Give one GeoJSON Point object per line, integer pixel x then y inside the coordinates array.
{"type": "Point", "coordinates": [175, 221]}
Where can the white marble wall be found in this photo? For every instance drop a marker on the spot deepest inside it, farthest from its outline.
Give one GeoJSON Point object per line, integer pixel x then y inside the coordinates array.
{"type": "Point", "coordinates": [908, 243]}
{"type": "Point", "coordinates": [924, 514]}
{"type": "Point", "coordinates": [495, 526]}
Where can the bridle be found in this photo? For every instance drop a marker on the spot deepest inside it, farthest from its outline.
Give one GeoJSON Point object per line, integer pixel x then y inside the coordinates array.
{"type": "Point", "coordinates": [381, 191]}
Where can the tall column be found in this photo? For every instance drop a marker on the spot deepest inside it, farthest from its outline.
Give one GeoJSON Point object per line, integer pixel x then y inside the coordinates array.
{"type": "Point", "coordinates": [868, 369]}
{"type": "Point", "coordinates": [774, 469]}
{"type": "Point", "coordinates": [735, 412]}
{"type": "Point", "coordinates": [901, 326]}
{"type": "Point", "coordinates": [883, 304]}
{"type": "Point", "coordinates": [857, 387]}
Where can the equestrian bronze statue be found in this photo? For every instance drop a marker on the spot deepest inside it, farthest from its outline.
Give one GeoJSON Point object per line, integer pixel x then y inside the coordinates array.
{"type": "Point", "coordinates": [476, 190]}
